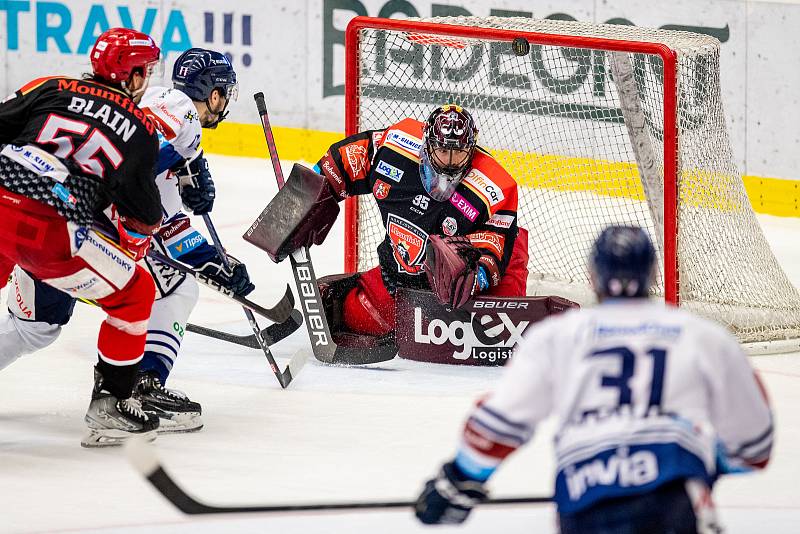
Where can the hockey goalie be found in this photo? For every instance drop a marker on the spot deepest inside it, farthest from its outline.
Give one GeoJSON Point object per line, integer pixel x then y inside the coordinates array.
{"type": "Point", "coordinates": [448, 207]}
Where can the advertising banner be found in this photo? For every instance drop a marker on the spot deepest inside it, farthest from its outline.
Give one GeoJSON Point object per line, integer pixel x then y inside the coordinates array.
{"type": "Point", "coordinates": [294, 51]}
{"type": "Point", "coordinates": [484, 333]}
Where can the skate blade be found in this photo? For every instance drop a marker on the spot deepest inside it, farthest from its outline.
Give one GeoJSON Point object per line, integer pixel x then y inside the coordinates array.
{"type": "Point", "coordinates": [179, 423]}
{"type": "Point", "coordinates": [109, 437]}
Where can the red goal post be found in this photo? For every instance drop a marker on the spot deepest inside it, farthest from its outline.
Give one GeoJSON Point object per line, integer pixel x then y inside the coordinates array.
{"type": "Point", "coordinates": [662, 134]}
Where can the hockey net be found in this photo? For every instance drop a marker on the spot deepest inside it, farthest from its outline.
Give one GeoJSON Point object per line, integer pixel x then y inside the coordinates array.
{"type": "Point", "coordinates": [599, 124]}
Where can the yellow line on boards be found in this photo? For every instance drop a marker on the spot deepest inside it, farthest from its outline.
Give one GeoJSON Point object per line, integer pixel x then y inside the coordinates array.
{"type": "Point", "coordinates": [772, 196]}
{"type": "Point", "coordinates": [236, 139]}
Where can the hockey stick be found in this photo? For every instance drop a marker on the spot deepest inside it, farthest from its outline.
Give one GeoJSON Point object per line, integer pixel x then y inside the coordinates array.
{"type": "Point", "coordinates": [271, 334]}
{"type": "Point", "coordinates": [298, 360]}
{"type": "Point", "coordinates": [277, 314]}
{"type": "Point", "coordinates": [142, 456]}
{"type": "Point", "coordinates": [325, 349]}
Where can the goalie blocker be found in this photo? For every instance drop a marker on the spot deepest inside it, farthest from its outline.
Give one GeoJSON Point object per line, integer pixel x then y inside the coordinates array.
{"type": "Point", "coordinates": [300, 215]}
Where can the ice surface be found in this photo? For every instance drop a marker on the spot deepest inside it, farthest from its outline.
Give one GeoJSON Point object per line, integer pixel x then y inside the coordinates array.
{"type": "Point", "coordinates": [336, 434]}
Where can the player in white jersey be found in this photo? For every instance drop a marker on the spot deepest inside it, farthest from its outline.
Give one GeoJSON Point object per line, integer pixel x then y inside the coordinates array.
{"type": "Point", "coordinates": [205, 83]}
{"type": "Point", "coordinates": [652, 405]}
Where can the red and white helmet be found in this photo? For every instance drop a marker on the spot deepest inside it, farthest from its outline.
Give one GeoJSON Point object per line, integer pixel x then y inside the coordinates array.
{"type": "Point", "coordinates": [120, 51]}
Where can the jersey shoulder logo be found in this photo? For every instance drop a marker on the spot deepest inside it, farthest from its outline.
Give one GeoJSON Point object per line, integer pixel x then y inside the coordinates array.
{"type": "Point", "coordinates": [355, 159]}
{"type": "Point", "coordinates": [408, 244]}
{"type": "Point", "coordinates": [489, 191]}
{"type": "Point", "coordinates": [389, 171]}
{"type": "Point", "coordinates": [162, 128]}
{"type": "Point", "coordinates": [403, 143]}
{"type": "Point", "coordinates": [381, 189]}
{"type": "Point", "coordinates": [377, 139]}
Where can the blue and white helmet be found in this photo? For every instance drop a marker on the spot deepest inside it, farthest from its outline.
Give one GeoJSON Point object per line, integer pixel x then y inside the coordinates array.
{"type": "Point", "coordinates": [621, 262]}
{"type": "Point", "coordinates": [198, 71]}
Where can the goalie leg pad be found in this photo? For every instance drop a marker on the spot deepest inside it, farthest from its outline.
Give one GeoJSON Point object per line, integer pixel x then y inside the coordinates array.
{"type": "Point", "coordinates": [485, 335]}
{"type": "Point", "coordinates": [332, 291]}
{"type": "Point", "coordinates": [335, 291]}
{"type": "Point", "coordinates": [301, 214]}
{"type": "Point", "coordinates": [369, 308]}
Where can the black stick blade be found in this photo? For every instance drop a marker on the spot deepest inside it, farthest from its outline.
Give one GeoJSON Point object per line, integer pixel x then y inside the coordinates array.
{"type": "Point", "coordinates": [141, 454]}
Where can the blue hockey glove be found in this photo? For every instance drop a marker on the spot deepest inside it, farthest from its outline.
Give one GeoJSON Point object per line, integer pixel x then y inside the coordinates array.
{"type": "Point", "coordinates": [237, 279]}
{"type": "Point", "coordinates": [449, 497]}
{"type": "Point", "coordinates": [196, 186]}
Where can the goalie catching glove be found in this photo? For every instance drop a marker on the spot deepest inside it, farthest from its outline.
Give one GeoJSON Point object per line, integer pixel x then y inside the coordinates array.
{"type": "Point", "coordinates": [451, 265]}
{"type": "Point", "coordinates": [236, 279]}
{"type": "Point", "coordinates": [449, 497]}
{"type": "Point", "coordinates": [196, 186]}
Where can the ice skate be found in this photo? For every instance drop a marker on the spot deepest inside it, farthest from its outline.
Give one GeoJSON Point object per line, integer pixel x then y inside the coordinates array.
{"type": "Point", "coordinates": [175, 410]}
{"type": "Point", "coordinates": [111, 420]}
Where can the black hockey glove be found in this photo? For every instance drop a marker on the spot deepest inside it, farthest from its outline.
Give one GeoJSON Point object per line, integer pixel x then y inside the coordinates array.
{"type": "Point", "coordinates": [237, 279]}
{"type": "Point", "coordinates": [448, 498]}
{"type": "Point", "coordinates": [196, 186]}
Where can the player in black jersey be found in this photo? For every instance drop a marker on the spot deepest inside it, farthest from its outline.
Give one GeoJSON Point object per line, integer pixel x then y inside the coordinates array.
{"type": "Point", "coordinates": [74, 152]}
{"type": "Point", "coordinates": [448, 207]}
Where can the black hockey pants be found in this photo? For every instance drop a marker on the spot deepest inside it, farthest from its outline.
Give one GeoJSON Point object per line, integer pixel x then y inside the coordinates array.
{"type": "Point", "coordinates": [667, 510]}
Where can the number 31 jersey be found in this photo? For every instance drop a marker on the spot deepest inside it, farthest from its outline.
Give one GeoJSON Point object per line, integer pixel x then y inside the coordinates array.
{"type": "Point", "coordinates": [642, 394]}
{"type": "Point", "coordinates": [92, 127]}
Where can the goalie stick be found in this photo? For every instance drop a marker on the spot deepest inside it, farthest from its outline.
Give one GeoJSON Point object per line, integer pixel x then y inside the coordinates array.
{"type": "Point", "coordinates": [277, 314]}
{"type": "Point", "coordinates": [143, 457]}
{"type": "Point", "coordinates": [322, 343]}
{"type": "Point", "coordinates": [298, 360]}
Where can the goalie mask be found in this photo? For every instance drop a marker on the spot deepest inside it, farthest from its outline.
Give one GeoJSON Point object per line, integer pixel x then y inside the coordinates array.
{"type": "Point", "coordinates": [621, 262]}
{"type": "Point", "coordinates": [448, 143]}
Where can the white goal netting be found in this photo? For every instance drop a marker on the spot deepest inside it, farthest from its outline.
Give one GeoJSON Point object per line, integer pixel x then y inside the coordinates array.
{"type": "Point", "coordinates": [582, 131]}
